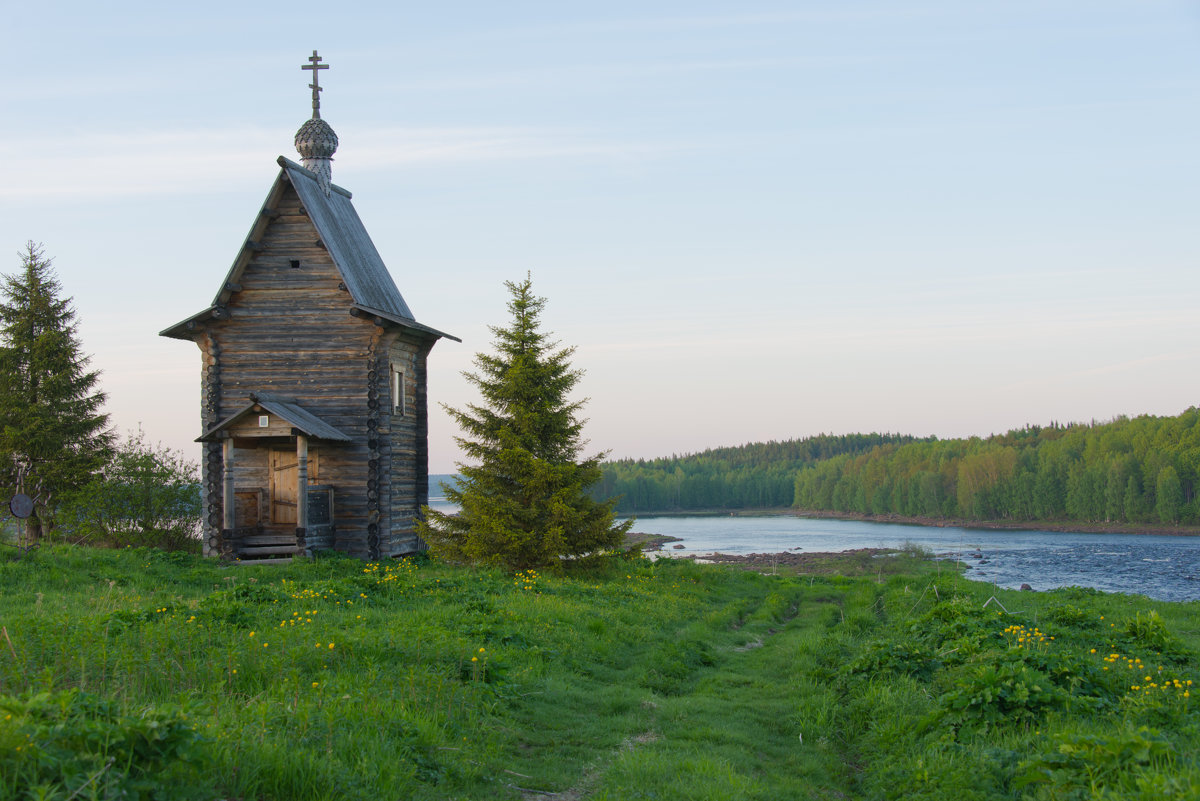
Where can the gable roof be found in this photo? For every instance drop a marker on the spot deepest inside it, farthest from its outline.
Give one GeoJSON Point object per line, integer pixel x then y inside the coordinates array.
{"type": "Point", "coordinates": [344, 237]}
{"type": "Point", "coordinates": [342, 232]}
{"type": "Point", "coordinates": [295, 414]}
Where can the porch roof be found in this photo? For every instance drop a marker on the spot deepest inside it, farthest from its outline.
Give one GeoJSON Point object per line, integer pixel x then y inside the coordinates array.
{"type": "Point", "coordinates": [296, 415]}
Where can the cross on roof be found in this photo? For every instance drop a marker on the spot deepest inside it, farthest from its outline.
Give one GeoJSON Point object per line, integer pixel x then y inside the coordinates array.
{"type": "Point", "coordinates": [316, 84]}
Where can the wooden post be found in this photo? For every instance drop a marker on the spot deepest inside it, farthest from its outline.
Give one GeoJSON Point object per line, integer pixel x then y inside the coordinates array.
{"type": "Point", "coordinates": [301, 489]}
{"type": "Point", "coordinates": [227, 499]}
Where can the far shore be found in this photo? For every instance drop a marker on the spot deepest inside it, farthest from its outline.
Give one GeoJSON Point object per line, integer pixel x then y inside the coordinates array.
{"type": "Point", "coordinates": [1065, 526]}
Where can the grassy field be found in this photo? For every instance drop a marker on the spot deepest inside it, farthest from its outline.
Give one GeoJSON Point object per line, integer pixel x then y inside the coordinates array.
{"type": "Point", "coordinates": [170, 677]}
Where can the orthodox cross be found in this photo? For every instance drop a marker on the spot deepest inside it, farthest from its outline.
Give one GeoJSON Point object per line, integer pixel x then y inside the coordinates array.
{"type": "Point", "coordinates": [316, 84]}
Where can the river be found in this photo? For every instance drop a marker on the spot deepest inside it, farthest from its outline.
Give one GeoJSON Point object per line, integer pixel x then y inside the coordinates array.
{"type": "Point", "coordinates": [1162, 567]}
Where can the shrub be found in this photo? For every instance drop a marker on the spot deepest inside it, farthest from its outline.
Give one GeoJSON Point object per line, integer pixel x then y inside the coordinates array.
{"type": "Point", "coordinates": [147, 495]}
{"type": "Point", "coordinates": [915, 550]}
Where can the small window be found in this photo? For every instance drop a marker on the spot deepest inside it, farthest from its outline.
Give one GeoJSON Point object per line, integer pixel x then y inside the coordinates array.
{"type": "Point", "coordinates": [264, 421]}
{"type": "Point", "coordinates": [295, 264]}
{"type": "Point", "coordinates": [398, 392]}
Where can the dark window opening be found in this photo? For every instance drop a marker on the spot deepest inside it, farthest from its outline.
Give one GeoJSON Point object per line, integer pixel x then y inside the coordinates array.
{"type": "Point", "coordinates": [295, 264]}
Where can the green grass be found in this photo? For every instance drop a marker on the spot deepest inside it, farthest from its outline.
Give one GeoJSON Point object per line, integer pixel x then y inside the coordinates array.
{"type": "Point", "coordinates": [167, 676]}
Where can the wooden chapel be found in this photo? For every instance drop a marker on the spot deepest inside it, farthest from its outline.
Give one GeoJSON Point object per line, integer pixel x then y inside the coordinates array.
{"type": "Point", "coordinates": [313, 383]}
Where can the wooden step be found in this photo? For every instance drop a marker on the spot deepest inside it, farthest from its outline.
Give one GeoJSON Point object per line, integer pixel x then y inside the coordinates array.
{"type": "Point", "coordinates": [280, 561]}
{"type": "Point", "coordinates": [268, 539]}
{"type": "Point", "coordinates": [270, 550]}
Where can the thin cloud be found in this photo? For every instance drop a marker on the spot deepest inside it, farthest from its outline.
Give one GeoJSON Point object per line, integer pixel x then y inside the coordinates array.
{"type": "Point", "coordinates": [1037, 384]}
{"type": "Point", "coordinates": [149, 163]}
{"type": "Point", "coordinates": [718, 22]}
{"type": "Point", "coordinates": [411, 146]}
{"type": "Point", "coordinates": [165, 163]}
{"type": "Point", "coordinates": [592, 74]}
{"type": "Point", "coordinates": [944, 332]}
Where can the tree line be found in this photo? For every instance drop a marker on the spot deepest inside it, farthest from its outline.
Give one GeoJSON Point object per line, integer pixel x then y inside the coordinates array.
{"type": "Point", "coordinates": [1140, 470]}
{"type": "Point", "coordinates": [756, 476]}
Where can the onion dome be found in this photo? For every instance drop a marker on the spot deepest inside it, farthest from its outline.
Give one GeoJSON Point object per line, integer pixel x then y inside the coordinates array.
{"type": "Point", "coordinates": [315, 141]}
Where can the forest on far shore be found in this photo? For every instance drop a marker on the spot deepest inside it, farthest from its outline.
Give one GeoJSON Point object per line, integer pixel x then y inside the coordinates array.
{"type": "Point", "coordinates": [760, 475]}
{"type": "Point", "coordinates": [1128, 470]}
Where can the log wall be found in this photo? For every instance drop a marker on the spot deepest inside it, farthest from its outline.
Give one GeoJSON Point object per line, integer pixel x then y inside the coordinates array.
{"type": "Point", "coordinates": [407, 454]}
{"type": "Point", "coordinates": [287, 330]}
{"type": "Point", "coordinates": [211, 471]}
{"type": "Point", "coordinates": [290, 332]}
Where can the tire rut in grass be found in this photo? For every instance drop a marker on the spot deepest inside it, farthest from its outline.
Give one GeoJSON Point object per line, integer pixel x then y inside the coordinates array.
{"type": "Point", "coordinates": [735, 694]}
{"type": "Point", "coordinates": [759, 641]}
{"type": "Point", "coordinates": [735, 719]}
{"type": "Point", "coordinates": [590, 776]}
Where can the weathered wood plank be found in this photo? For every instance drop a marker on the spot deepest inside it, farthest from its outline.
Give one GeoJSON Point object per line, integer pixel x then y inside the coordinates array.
{"type": "Point", "coordinates": [268, 550]}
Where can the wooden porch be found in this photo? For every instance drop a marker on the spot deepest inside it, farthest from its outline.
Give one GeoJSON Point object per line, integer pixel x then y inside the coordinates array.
{"type": "Point", "coordinates": [253, 536]}
{"type": "Point", "coordinates": [286, 512]}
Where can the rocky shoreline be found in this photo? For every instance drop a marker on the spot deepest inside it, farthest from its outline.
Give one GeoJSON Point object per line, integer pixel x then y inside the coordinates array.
{"type": "Point", "coordinates": [818, 562]}
{"type": "Point", "coordinates": [807, 562]}
{"type": "Point", "coordinates": [649, 542]}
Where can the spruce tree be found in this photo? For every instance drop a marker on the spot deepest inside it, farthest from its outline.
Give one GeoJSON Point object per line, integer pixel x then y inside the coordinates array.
{"type": "Point", "coordinates": [53, 432]}
{"type": "Point", "coordinates": [523, 497]}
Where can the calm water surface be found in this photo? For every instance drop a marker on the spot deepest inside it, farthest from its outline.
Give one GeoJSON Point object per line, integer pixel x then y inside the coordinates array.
{"type": "Point", "coordinates": [1165, 568]}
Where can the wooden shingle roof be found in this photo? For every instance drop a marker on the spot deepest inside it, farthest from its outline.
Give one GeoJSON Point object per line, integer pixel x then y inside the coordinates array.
{"type": "Point", "coordinates": [372, 291]}
{"type": "Point", "coordinates": [342, 232]}
{"type": "Point", "coordinates": [296, 415]}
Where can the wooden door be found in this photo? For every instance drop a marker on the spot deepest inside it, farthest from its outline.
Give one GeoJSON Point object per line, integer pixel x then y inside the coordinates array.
{"type": "Point", "coordinates": [285, 473]}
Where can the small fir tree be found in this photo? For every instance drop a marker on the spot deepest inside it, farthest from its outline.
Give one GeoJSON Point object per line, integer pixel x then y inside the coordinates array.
{"type": "Point", "coordinates": [53, 432]}
{"type": "Point", "coordinates": [523, 500]}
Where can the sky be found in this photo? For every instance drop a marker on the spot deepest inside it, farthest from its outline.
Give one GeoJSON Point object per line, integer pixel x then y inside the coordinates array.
{"type": "Point", "coordinates": [753, 220]}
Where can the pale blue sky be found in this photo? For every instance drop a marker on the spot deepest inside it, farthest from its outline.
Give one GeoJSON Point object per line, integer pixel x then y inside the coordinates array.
{"type": "Point", "coordinates": [755, 220]}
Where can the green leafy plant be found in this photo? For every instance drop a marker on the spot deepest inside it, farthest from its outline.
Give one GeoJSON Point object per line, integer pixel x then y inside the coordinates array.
{"type": "Point", "coordinates": [223, 607]}
{"type": "Point", "coordinates": [906, 658]}
{"type": "Point", "coordinates": [1086, 766]}
{"type": "Point", "coordinates": [1071, 615]}
{"type": "Point", "coordinates": [1005, 692]}
{"type": "Point", "coordinates": [1147, 630]}
{"type": "Point", "coordinates": [72, 744]}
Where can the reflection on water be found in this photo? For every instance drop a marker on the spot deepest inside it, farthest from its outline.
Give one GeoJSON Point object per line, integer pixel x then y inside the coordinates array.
{"type": "Point", "coordinates": [1162, 567]}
